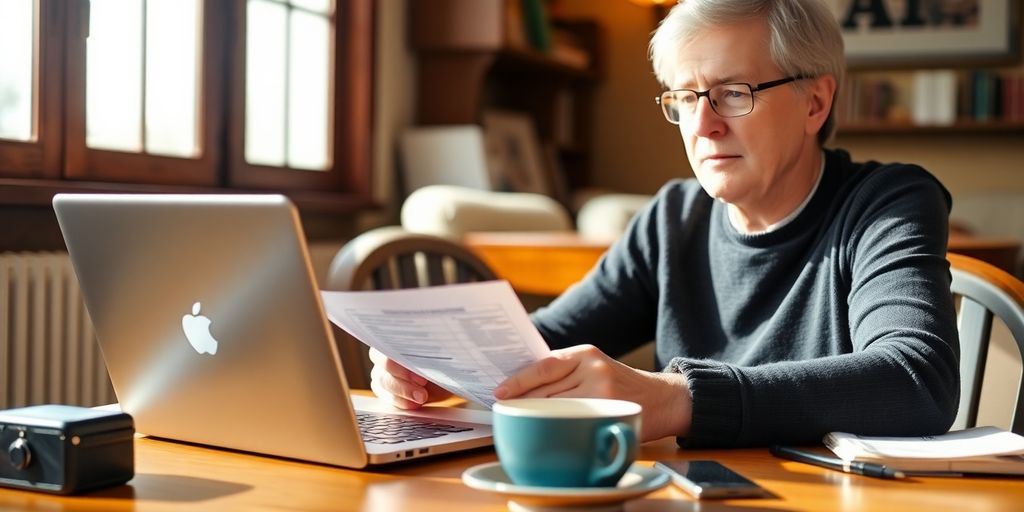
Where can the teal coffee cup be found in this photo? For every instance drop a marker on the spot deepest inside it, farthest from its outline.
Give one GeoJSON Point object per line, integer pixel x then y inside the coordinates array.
{"type": "Point", "coordinates": [566, 442]}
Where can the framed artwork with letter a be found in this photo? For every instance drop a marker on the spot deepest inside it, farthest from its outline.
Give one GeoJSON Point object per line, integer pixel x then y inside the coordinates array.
{"type": "Point", "coordinates": [921, 33]}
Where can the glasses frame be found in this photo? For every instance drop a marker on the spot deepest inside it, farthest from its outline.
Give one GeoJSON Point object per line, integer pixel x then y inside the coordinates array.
{"type": "Point", "coordinates": [707, 94]}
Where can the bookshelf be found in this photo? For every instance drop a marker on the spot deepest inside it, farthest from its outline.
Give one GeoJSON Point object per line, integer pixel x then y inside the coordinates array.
{"type": "Point", "coordinates": [479, 55]}
{"type": "Point", "coordinates": [932, 102]}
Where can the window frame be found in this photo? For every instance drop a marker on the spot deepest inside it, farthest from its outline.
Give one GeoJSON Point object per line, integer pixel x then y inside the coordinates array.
{"type": "Point", "coordinates": [84, 163]}
{"type": "Point", "coordinates": [351, 91]}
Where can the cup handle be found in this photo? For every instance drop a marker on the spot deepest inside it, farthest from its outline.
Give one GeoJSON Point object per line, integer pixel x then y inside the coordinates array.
{"type": "Point", "coordinates": [625, 438]}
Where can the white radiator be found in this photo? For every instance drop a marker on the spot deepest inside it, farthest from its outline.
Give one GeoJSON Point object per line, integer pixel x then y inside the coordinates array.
{"type": "Point", "coordinates": [48, 350]}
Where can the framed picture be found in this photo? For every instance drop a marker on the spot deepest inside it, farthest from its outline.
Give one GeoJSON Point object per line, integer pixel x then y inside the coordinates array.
{"type": "Point", "coordinates": [514, 159]}
{"type": "Point", "coordinates": [929, 33]}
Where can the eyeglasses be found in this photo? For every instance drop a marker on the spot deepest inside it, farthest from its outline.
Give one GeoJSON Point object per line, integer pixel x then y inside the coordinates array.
{"type": "Point", "coordinates": [727, 100]}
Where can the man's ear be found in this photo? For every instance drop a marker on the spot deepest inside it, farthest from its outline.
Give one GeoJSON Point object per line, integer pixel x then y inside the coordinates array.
{"type": "Point", "coordinates": [820, 95]}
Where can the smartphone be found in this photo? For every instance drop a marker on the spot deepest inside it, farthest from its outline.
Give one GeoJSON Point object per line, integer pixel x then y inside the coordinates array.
{"type": "Point", "coordinates": [709, 479]}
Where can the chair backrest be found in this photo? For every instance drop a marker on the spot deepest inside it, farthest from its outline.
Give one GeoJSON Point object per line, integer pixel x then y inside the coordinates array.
{"type": "Point", "coordinates": [985, 292]}
{"type": "Point", "coordinates": [391, 258]}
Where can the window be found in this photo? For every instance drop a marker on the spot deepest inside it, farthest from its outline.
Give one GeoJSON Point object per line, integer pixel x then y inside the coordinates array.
{"type": "Point", "coordinates": [17, 70]}
{"type": "Point", "coordinates": [143, 102]}
{"type": "Point", "coordinates": [247, 94]}
{"type": "Point", "coordinates": [303, 80]}
{"type": "Point", "coordinates": [30, 75]}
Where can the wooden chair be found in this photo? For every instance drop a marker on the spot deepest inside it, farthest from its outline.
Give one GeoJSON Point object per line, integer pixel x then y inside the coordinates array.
{"type": "Point", "coordinates": [985, 292]}
{"type": "Point", "coordinates": [391, 258]}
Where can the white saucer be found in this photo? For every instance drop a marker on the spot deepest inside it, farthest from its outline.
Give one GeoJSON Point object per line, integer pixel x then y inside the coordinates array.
{"type": "Point", "coordinates": [637, 481]}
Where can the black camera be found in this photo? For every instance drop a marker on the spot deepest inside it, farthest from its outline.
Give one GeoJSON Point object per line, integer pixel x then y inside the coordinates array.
{"type": "Point", "coordinates": [63, 449]}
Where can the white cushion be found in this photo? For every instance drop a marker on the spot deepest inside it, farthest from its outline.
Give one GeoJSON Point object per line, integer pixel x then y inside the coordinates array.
{"type": "Point", "coordinates": [452, 211]}
{"type": "Point", "coordinates": [607, 215]}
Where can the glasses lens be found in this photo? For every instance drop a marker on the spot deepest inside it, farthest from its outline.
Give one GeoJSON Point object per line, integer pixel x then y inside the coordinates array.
{"type": "Point", "coordinates": [677, 103]}
{"type": "Point", "coordinates": [731, 100]}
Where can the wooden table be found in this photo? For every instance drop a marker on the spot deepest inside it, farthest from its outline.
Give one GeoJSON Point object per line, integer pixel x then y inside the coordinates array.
{"type": "Point", "coordinates": [175, 476]}
{"type": "Point", "coordinates": [546, 263]}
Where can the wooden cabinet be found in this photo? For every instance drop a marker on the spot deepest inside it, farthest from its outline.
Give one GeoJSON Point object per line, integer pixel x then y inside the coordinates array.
{"type": "Point", "coordinates": [469, 63]}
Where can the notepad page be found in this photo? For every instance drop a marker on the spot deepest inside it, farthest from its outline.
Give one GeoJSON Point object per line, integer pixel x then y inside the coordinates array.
{"type": "Point", "coordinates": [962, 444]}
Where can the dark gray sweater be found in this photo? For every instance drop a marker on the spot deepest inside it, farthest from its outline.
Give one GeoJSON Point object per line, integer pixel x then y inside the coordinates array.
{"type": "Point", "coordinates": [840, 320]}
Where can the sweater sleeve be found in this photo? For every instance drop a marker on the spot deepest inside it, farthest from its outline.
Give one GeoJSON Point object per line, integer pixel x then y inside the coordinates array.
{"type": "Point", "coordinates": [901, 377]}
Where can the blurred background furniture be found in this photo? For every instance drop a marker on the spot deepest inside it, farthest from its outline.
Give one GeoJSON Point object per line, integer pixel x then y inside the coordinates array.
{"type": "Point", "coordinates": [985, 292]}
{"type": "Point", "coordinates": [493, 60]}
{"type": "Point", "coordinates": [548, 263]}
{"type": "Point", "coordinates": [389, 258]}
{"type": "Point", "coordinates": [451, 211]}
{"type": "Point", "coordinates": [479, 56]}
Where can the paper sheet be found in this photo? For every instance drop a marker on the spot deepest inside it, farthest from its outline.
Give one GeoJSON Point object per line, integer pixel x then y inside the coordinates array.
{"type": "Point", "coordinates": [958, 444]}
{"type": "Point", "coordinates": [467, 338]}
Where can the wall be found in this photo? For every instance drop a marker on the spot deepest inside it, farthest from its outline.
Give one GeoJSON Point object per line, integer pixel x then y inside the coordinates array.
{"type": "Point", "coordinates": [394, 103]}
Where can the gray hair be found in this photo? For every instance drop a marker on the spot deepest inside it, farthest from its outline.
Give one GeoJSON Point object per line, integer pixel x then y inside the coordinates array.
{"type": "Point", "coordinates": [805, 38]}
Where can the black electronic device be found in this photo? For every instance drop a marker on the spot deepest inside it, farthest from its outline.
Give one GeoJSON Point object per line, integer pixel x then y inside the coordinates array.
{"type": "Point", "coordinates": [709, 479]}
{"type": "Point", "coordinates": [64, 449]}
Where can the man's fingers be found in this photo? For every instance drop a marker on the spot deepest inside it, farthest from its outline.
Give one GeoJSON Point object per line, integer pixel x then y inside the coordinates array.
{"type": "Point", "coordinates": [400, 372]}
{"type": "Point", "coordinates": [549, 370]}
{"type": "Point", "coordinates": [397, 401]}
{"type": "Point", "coordinates": [562, 388]}
{"type": "Point", "coordinates": [397, 387]}
{"type": "Point", "coordinates": [377, 357]}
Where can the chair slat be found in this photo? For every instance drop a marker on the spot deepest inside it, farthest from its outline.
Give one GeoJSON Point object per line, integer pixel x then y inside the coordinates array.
{"type": "Point", "coordinates": [408, 277]}
{"type": "Point", "coordinates": [975, 326]}
{"type": "Point", "coordinates": [383, 277]}
{"type": "Point", "coordinates": [435, 270]}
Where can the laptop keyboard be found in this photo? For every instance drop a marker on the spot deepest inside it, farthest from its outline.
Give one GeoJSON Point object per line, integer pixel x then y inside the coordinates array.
{"type": "Point", "coordinates": [389, 429]}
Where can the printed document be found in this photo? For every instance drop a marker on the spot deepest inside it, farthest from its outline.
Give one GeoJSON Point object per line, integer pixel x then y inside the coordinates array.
{"type": "Point", "coordinates": [467, 338]}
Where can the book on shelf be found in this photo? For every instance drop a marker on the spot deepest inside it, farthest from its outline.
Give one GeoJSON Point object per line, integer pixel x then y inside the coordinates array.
{"type": "Point", "coordinates": [941, 97]}
{"type": "Point", "coordinates": [538, 28]}
{"type": "Point", "coordinates": [988, 450]}
{"type": "Point", "coordinates": [515, 26]}
{"type": "Point", "coordinates": [934, 98]}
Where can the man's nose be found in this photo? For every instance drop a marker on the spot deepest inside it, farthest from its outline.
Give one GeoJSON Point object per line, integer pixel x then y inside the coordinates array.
{"type": "Point", "coordinates": [705, 122]}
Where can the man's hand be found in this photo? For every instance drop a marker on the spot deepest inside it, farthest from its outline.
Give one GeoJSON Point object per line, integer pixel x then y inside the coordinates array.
{"type": "Point", "coordinates": [399, 386]}
{"type": "Point", "coordinates": [586, 372]}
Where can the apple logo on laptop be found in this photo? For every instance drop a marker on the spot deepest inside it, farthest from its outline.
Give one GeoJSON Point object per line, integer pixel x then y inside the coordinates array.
{"type": "Point", "coordinates": [197, 331]}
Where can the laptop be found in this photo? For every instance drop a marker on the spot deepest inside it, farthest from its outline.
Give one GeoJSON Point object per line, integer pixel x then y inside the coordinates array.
{"type": "Point", "coordinates": [211, 326]}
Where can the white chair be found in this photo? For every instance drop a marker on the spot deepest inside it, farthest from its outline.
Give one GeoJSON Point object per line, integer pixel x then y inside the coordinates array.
{"type": "Point", "coordinates": [985, 292]}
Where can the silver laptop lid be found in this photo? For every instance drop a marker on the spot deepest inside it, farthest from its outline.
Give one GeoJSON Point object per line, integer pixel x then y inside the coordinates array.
{"type": "Point", "coordinates": [209, 320]}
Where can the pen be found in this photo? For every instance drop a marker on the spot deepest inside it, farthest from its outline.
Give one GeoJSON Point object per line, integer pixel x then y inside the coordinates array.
{"type": "Point", "coordinates": [860, 468]}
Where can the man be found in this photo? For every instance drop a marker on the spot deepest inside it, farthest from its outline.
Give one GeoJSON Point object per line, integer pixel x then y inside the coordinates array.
{"type": "Point", "coordinates": [790, 291]}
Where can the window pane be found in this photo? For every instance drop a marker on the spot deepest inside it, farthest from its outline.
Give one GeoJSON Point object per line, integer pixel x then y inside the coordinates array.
{"type": "Point", "coordinates": [113, 77]}
{"type": "Point", "coordinates": [171, 77]}
{"type": "Point", "coordinates": [265, 75]}
{"type": "Point", "coordinates": [17, 56]}
{"type": "Point", "coordinates": [321, 6]}
{"type": "Point", "coordinates": [308, 111]}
